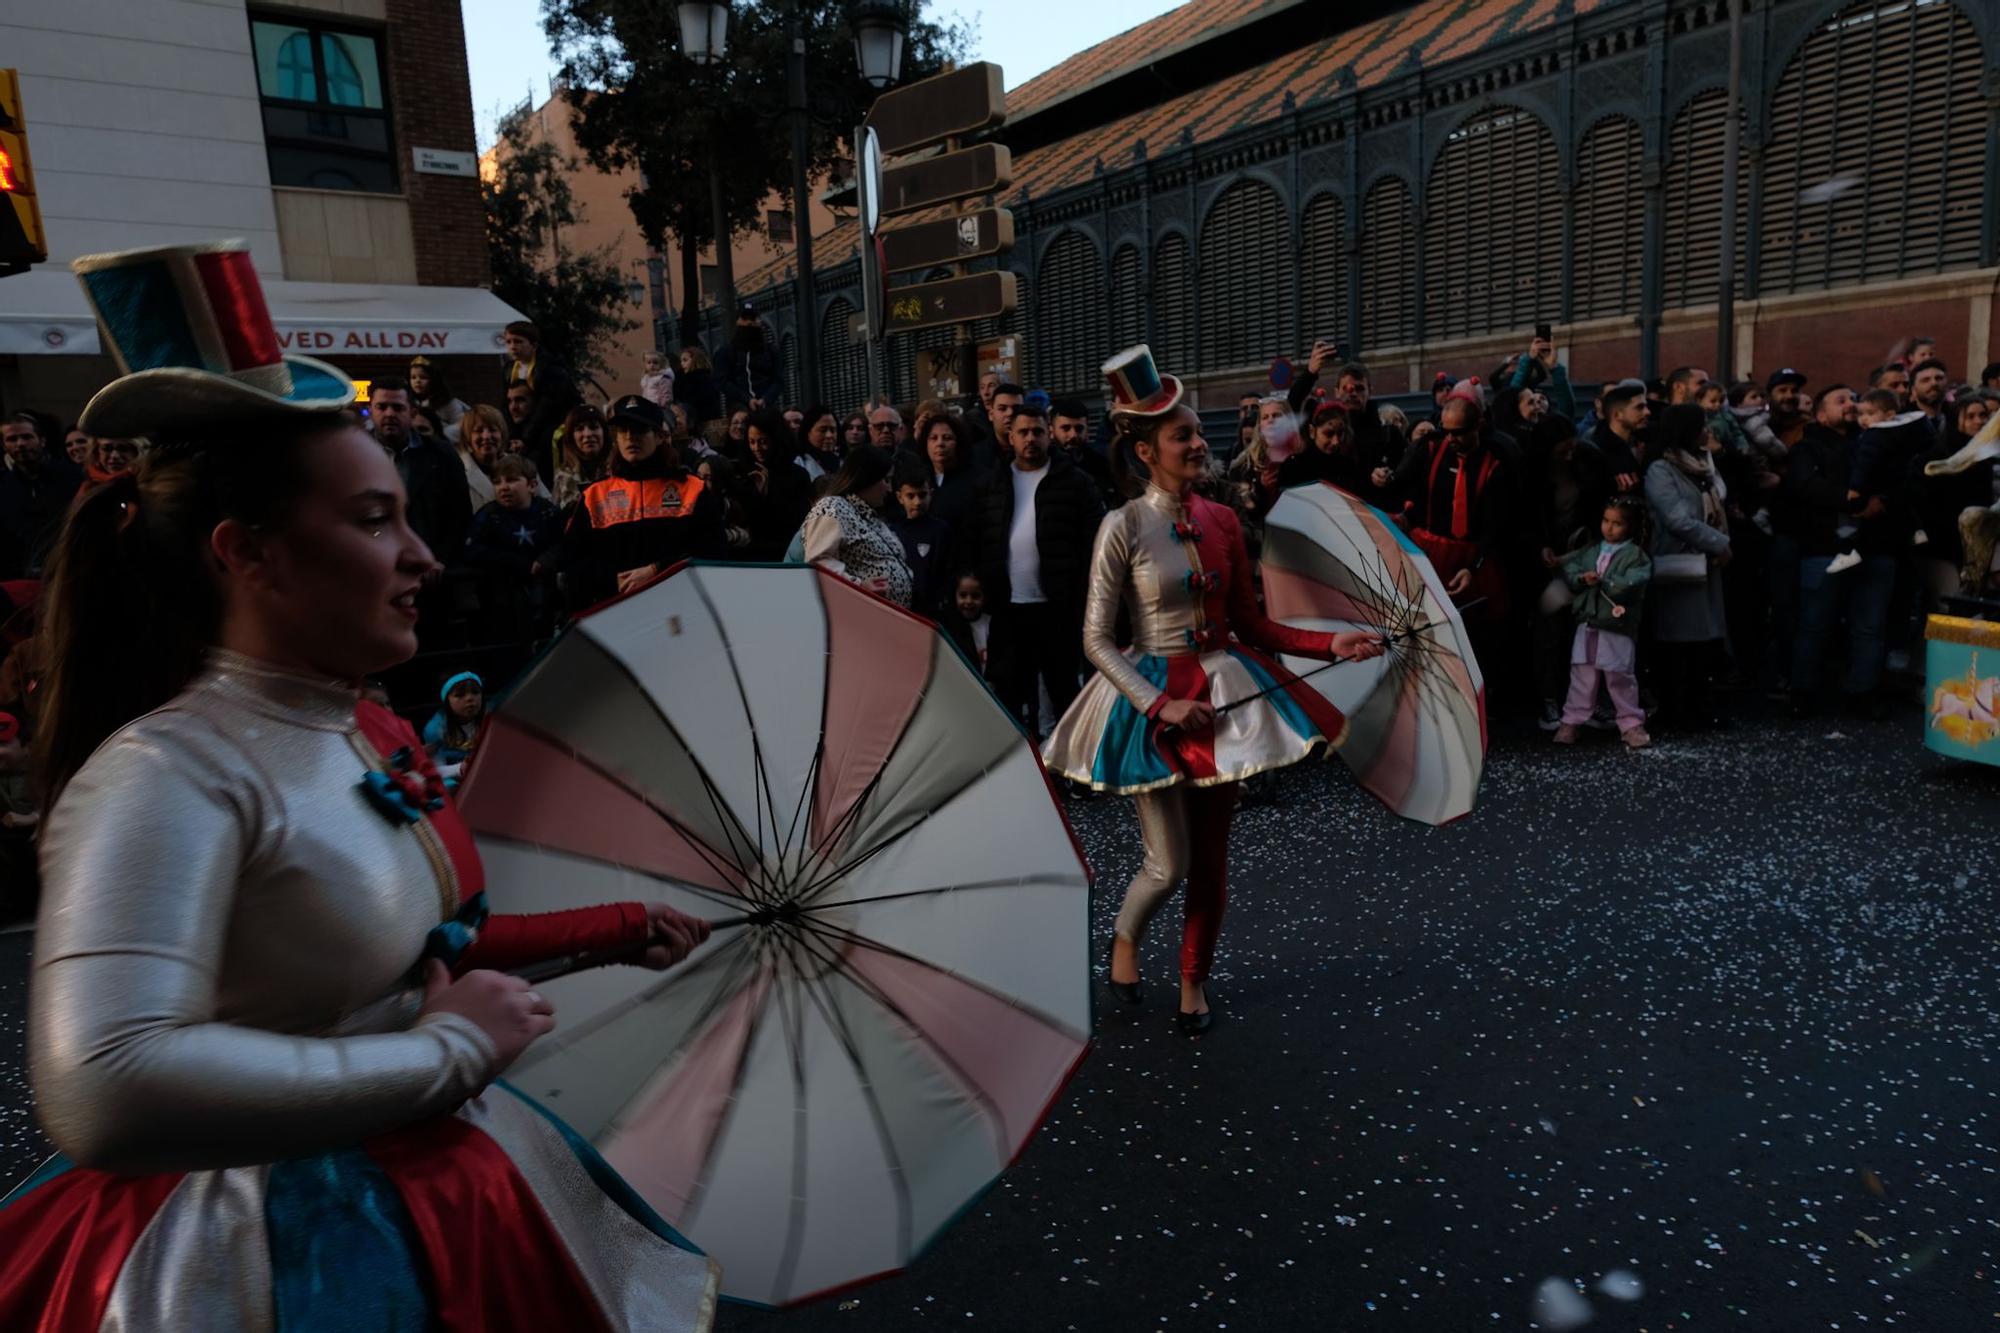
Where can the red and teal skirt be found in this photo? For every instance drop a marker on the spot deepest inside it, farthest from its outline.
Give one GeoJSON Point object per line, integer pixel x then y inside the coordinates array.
{"type": "Point", "coordinates": [1107, 743]}
{"type": "Point", "coordinates": [497, 1217]}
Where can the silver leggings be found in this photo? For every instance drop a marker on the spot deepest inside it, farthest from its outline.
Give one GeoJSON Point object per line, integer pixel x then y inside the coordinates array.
{"type": "Point", "coordinates": [1163, 827]}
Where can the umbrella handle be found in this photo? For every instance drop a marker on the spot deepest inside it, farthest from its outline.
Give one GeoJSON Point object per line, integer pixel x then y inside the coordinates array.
{"type": "Point", "coordinates": [551, 968]}
{"type": "Point", "coordinates": [1398, 636]}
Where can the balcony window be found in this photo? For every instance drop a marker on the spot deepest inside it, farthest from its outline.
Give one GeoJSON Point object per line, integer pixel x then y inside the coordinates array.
{"type": "Point", "coordinates": [326, 119]}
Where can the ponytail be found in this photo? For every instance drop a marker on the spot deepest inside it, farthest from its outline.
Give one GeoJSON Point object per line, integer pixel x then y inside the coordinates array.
{"type": "Point", "coordinates": [1129, 473]}
{"type": "Point", "coordinates": [132, 603]}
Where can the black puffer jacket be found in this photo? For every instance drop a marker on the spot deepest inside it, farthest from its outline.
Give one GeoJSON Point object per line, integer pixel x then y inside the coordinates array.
{"type": "Point", "coordinates": [1067, 512]}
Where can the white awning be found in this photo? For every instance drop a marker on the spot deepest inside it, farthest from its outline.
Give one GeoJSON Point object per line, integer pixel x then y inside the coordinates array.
{"type": "Point", "coordinates": [43, 313]}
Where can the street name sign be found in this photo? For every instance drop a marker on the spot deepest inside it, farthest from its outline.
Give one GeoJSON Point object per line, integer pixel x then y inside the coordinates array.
{"type": "Point", "coordinates": [948, 240]}
{"type": "Point", "coordinates": [946, 106]}
{"type": "Point", "coordinates": [981, 169]}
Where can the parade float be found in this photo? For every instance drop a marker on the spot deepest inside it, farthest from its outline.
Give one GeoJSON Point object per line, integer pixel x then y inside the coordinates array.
{"type": "Point", "coordinates": [1962, 712]}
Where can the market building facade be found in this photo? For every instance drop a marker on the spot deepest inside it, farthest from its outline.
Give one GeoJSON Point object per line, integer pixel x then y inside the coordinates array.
{"type": "Point", "coordinates": [1428, 185]}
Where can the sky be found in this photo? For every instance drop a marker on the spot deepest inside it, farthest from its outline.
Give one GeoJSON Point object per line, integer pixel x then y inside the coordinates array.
{"type": "Point", "coordinates": [509, 58]}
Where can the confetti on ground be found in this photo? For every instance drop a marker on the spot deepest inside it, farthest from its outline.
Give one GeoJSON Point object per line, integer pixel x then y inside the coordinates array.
{"type": "Point", "coordinates": [1784, 947]}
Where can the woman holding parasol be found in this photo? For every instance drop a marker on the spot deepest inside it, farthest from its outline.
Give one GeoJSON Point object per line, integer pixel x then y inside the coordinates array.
{"type": "Point", "coordinates": [266, 1010]}
{"type": "Point", "coordinates": [1196, 705]}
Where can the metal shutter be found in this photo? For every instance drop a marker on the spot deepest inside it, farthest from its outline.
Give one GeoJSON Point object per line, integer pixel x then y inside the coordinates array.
{"type": "Point", "coordinates": [1246, 299]}
{"type": "Point", "coordinates": [1323, 270]}
{"type": "Point", "coordinates": [788, 357]}
{"type": "Point", "coordinates": [1069, 322]}
{"type": "Point", "coordinates": [846, 369]}
{"type": "Point", "coordinates": [1172, 306]}
{"type": "Point", "coordinates": [1128, 301]}
{"type": "Point", "coordinates": [1388, 267]}
{"type": "Point", "coordinates": [1610, 220]}
{"type": "Point", "coordinates": [1492, 252]}
{"type": "Point", "coordinates": [1876, 162]}
{"type": "Point", "coordinates": [1694, 205]}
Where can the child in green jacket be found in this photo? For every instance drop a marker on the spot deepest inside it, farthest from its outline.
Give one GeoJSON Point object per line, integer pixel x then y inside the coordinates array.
{"type": "Point", "coordinates": [1608, 583]}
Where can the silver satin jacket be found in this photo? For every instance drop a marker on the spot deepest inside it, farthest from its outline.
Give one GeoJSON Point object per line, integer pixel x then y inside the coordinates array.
{"type": "Point", "coordinates": [1178, 565]}
{"type": "Point", "coordinates": [222, 969]}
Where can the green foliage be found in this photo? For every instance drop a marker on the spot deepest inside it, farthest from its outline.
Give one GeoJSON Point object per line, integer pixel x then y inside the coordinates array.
{"type": "Point", "coordinates": [574, 297]}
{"type": "Point", "coordinates": [639, 102]}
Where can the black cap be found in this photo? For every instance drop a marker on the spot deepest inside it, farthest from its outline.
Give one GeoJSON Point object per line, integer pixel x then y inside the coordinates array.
{"type": "Point", "coordinates": [637, 410]}
{"type": "Point", "coordinates": [746, 311]}
{"type": "Point", "coordinates": [1785, 376]}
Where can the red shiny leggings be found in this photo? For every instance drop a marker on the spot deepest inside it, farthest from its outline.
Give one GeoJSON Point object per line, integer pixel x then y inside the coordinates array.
{"type": "Point", "coordinates": [1186, 833]}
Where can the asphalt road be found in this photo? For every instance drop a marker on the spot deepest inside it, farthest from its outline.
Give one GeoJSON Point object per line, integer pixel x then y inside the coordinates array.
{"type": "Point", "coordinates": [1695, 1038]}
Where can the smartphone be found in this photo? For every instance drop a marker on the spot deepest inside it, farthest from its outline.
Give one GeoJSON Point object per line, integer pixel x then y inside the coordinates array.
{"type": "Point", "coordinates": [1546, 332]}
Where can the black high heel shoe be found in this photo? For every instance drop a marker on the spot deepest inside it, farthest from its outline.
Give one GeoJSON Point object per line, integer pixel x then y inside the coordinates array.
{"type": "Point", "coordinates": [1128, 991]}
{"type": "Point", "coordinates": [1193, 1025]}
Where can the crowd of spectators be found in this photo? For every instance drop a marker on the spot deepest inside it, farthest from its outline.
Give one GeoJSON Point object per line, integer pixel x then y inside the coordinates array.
{"type": "Point", "coordinates": [1630, 560]}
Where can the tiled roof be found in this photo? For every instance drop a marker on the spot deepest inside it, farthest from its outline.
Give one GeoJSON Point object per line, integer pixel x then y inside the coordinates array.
{"type": "Point", "coordinates": [1433, 32]}
{"type": "Point", "coordinates": [1193, 22]}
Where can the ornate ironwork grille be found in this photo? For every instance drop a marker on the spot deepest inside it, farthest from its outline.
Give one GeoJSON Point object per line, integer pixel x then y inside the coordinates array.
{"type": "Point", "coordinates": [1323, 270]}
{"type": "Point", "coordinates": [1245, 276]}
{"type": "Point", "coordinates": [1388, 266]}
{"type": "Point", "coordinates": [1492, 247]}
{"type": "Point", "coordinates": [1875, 167]}
{"type": "Point", "coordinates": [1069, 322]}
{"type": "Point", "coordinates": [1610, 220]}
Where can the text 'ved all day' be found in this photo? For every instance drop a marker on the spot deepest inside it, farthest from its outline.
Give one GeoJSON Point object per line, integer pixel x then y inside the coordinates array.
{"type": "Point", "coordinates": [362, 340]}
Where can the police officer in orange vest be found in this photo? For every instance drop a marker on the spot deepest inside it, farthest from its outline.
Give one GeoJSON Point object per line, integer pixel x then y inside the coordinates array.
{"type": "Point", "coordinates": [647, 516]}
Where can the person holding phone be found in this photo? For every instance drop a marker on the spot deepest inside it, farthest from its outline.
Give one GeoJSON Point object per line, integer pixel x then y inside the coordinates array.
{"type": "Point", "coordinates": [1376, 448]}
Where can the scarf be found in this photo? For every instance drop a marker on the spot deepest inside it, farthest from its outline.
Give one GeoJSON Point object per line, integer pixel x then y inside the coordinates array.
{"type": "Point", "coordinates": [1700, 469]}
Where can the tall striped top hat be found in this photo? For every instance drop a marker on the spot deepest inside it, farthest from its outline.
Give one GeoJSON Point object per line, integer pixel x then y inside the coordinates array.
{"type": "Point", "coordinates": [194, 343]}
{"type": "Point", "coordinates": [1137, 387]}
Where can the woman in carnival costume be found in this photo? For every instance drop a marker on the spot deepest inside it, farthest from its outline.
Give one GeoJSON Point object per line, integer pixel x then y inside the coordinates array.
{"type": "Point", "coordinates": [268, 1007]}
{"type": "Point", "coordinates": [1196, 705]}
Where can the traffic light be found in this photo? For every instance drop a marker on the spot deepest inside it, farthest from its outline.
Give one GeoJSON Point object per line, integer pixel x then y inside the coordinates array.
{"type": "Point", "coordinates": [22, 241]}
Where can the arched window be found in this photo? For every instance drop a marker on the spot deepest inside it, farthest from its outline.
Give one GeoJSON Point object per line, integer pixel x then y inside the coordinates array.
{"type": "Point", "coordinates": [1610, 220]}
{"type": "Point", "coordinates": [1173, 345]}
{"type": "Point", "coordinates": [1246, 285]}
{"type": "Point", "coordinates": [844, 360]}
{"type": "Point", "coordinates": [1323, 271]}
{"type": "Point", "coordinates": [296, 81]}
{"type": "Point", "coordinates": [1876, 163]}
{"type": "Point", "coordinates": [1388, 266]}
{"type": "Point", "coordinates": [1128, 301]}
{"type": "Point", "coordinates": [1492, 245]}
{"type": "Point", "coordinates": [1693, 263]}
{"type": "Point", "coordinates": [1069, 320]}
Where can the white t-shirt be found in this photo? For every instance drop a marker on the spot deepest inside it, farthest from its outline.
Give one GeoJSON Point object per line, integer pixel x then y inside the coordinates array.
{"type": "Point", "coordinates": [1024, 558]}
{"type": "Point", "coordinates": [982, 630]}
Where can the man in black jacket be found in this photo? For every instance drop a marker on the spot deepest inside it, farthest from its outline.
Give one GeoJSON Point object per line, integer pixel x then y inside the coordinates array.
{"type": "Point", "coordinates": [440, 501]}
{"type": "Point", "coordinates": [1379, 446]}
{"type": "Point", "coordinates": [1818, 519]}
{"type": "Point", "coordinates": [1069, 427]}
{"type": "Point", "coordinates": [554, 392]}
{"type": "Point", "coordinates": [747, 368]}
{"type": "Point", "coordinates": [36, 487]}
{"type": "Point", "coordinates": [1032, 527]}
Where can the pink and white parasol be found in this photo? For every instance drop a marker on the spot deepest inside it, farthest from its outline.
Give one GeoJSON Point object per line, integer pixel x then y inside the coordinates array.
{"type": "Point", "coordinates": [826, 1083]}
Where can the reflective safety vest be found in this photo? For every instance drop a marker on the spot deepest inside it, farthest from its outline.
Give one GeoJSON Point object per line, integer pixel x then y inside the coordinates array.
{"type": "Point", "coordinates": [622, 500]}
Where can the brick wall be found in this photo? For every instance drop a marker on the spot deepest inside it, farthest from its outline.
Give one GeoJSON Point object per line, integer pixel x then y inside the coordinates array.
{"type": "Point", "coordinates": [430, 91]}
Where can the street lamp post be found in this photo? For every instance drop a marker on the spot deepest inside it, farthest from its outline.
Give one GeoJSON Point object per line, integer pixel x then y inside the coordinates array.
{"type": "Point", "coordinates": [705, 40]}
{"type": "Point", "coordinates": [881, 28]}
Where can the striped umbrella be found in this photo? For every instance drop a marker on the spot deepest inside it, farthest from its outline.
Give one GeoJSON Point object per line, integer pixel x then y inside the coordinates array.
{"type": "Point", "coordinates": [1416, 715]}
{"type": "Point", "coordinates": [902, 986]}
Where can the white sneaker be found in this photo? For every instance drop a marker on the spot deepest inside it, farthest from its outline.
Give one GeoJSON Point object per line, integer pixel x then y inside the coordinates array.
{"type": "Point", "coordinates": [1843, 562]}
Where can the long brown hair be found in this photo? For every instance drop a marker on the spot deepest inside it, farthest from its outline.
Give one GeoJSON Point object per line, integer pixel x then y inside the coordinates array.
{"type": "Point", "coordinates": [133, 602]}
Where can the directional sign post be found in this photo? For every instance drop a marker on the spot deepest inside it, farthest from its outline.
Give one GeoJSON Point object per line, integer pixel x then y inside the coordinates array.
{"type": "Point", "coordinates": [948, 106]}
{"type": "Point", "coordinates": [935, 114]}
{"type": "Point", "coordinates": [927, 245]}
{"type": "Point", "coordinates": [949, 301]}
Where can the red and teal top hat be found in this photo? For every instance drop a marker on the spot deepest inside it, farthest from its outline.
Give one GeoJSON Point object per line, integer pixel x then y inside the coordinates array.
{"type": "Point", "coordinates": [194, 343]}
{"type": "Point", "coordinates": [1138, 389]}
